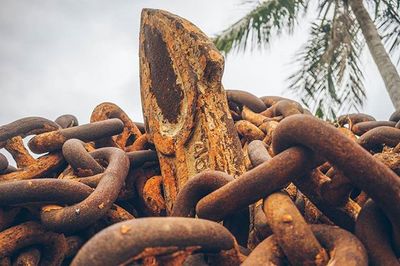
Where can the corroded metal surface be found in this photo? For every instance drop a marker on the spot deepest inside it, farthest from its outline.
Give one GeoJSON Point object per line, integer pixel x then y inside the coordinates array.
{"type": "Point", "coordinates": [288, 188]}
{"type": "Point", "coordinates": [184, 103]}
{"type": "Point", "coordinates": [125, 240]}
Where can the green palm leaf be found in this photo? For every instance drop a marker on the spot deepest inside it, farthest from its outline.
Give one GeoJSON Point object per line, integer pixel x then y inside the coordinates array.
{"type": "Point", "coordinates": [330, 79]}
{"type": "Point", "coordinates": [268, 17]}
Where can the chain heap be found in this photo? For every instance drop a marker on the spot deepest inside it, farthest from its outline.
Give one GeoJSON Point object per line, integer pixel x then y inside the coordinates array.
{"type": "Point", "coordinates": [278, 187]}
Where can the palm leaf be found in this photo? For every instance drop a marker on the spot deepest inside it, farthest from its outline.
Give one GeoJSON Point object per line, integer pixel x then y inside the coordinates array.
{"type": "Point", "coordinates": [388, 20]}
{"type": "Point", "coordinates": [266, 18]}
{"type": "Point", "coordinates": [330, 79]}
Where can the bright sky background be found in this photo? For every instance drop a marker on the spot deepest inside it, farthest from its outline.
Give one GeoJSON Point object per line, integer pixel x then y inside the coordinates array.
{"type": "Point", "coordinates": [67, 56]}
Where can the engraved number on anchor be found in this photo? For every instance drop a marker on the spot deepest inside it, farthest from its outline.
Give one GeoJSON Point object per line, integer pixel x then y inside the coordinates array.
{"type": "Point", "coordinates": [200, 156]}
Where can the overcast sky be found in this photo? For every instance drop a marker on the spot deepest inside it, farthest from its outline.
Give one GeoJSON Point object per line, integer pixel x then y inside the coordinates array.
{"type": "Point", "coordinates": [67, 56]}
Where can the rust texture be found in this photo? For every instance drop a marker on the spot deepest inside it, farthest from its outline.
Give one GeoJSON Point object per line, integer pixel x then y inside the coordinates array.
{"type": "Point", "coordinates": [184, 103]}
{"type": "Point", "coordinates": [373, 229]}
{"type": "Point", "coordinates": [247, 180]}
{"type": "Point", "coordinates": [121, 241]}
{"type": "Point", "coordinates": [53, 141]}
{"type": "Point", "coordinates": [30, 233]}
{"type": "Point", "coordinates": [292, 232]}
{"type": "Point", "coordinates": [130, 132]}
{"type": "Point", "coordinates": [367, 173]}
{"type": "Point", "coordinates": [66, 121]}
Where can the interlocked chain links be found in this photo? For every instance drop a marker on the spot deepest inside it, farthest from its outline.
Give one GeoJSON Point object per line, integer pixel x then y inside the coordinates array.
{"type": "Point", "coordinates": [197, 189]}
{"type": "Point", "coordinates": [87, 199]}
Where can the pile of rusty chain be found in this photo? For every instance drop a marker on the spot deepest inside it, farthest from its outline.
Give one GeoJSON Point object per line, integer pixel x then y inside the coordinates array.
{"type": "Point", "coordinates": [232, 179]}
{"type": "Point", "coordinates": [82, 200]}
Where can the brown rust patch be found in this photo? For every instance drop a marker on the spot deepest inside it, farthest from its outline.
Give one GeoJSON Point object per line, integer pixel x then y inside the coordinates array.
{"type": "Point", "coordinates": [164, 87]}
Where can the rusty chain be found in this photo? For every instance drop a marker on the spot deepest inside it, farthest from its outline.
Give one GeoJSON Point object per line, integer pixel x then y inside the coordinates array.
{"type": "Point", "coordinates": [212, 177]}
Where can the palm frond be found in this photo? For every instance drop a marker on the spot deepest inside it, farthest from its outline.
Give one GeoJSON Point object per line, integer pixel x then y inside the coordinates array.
{"type": "Point", "coordinates": [330, 79]}
{"type": "Point", "coordinates": [388, 21]}
{"type": "Point", "coordinates": [267, 18]}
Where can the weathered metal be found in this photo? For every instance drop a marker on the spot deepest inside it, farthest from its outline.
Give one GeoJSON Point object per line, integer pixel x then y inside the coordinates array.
{"type": "Point", "coordinates": [184, 104]}
{"type": "Point", "coordinates": [373, 229]}
{"type": "Point", "coordinates": [367, 173]}
{"type": "Point", "coordinates": [253, 185]}
{"type": "Point", "coordinates": [31, 233]}
{"type": "Point", "coordinates": [52, 141]}
{"type": "Point", "coordinates": [246, 99]}
{"type": "Point", "coordinates": [80, 215]}
{"type": "Point", "coordinates": [292, 232]}
{"type": "Point", "coordinates": [66, 121]}
{"type": "Point", "coordinates": [130, 132]}
{"type": "Point", "coordinates": [123, 241]}
{"type": "Point", "coordinates": [103, 183]}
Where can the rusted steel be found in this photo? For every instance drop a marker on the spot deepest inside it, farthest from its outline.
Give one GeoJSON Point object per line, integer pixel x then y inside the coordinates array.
{"type": "Point", "coordinates": [66, 121]}
{"type": "Point", "coordinates": [271, 100]}
{"type": "Point", "coordinates": [138, 158]}
{"type": "Point", "coordinates": [42, 190]}
{"type": "Point", "coordinates": [348, 133]}
{"type": "Point", "coordinates": [377, 137]}
{"type": "Point", "coordinates": [26, 126]}
{"type": "Point", "coordinates": [95, 206]}
{"type": "Point", "coordinates": [337, 190]}
{"type": "Point", "coordinates": [141, 126]}
{"type": "Point", "coordinates": [6, 261]}
{"type": "Point", "coordinates": [363, 127]}
{"type": "Point", "coordinates": [80, 160]}
{"type": "Point", "coordinates": [391, 158]}
{"type": "Point", "coordinates": [54, 140]}
{"type": "Point", "coordinates": [31, 233]}
{"type": "Point", "coordinates": [130, 132]}
{"type": "Point", "coordinates": [187, 159]}
{"type": "Point", "coordinates": [267, 252]}
{"type": "Point", "coordinates": [120, 242]}
{"type": "Point", "coordinates": [53, 191]}
{"type": "Point", "coordinates": [364, 171]}
{"type": "Point", "coordinates": [3, 162]}
{"type": "Point", "coordinates": [343, 216]}
{"type": "Point", "coordinates": [136, 179]}
{"type": "Point", "coordinates": [395, 116]}
{"type": "Point", "coordinates": [153, 196]}
{"type": "Point", "coordinates": [285, 108]}
{"type": "Point", "coordinates": [246, 99]}
{"type": "Point", "coordinates": [268, 128]}
{"type": "Point", "coordinates": [249, 130]}
{"type": "Point", "coordinates": [91, 181]}
{"type": "Point", "coordinates": [261, 229]}
{"type": "Point", "coordinates": [116, 214]}
{"type": "Point", "coordinates": [184, 104]}
{"type": "Point", "coordinates": [139, 144]}
{"type": "Point", "coordinates": [373, 230]}
{"type": "Point", "coordinates": [195, 189]}
{"type": "Point", "coordinates": [22, 157]}
{"type": "Point", "coordinates": [344, 248]}
{"type": "Point", "coordinates": [11, 138]}
{"type": "Point", "coordinates": [352, 119]}
{"type": "Point", "coordinates": [253, 185]}
{"type": "Point", "coordinates": [74, 243]}
{"type": "Point", "coordinates": [45, 165]}
{"type": "Point", "coordinates": [257, 152]}
{"type": "Point", "coordinates": [254, 118]}
{"type": "Point", "coordinates": [292, 232]}
{"type": "Point", "coordinates": [8, 170]}
{"type": "Point", "coordinates": [7, 217]}
{"type": "Point", "coordinates": [28, 257]}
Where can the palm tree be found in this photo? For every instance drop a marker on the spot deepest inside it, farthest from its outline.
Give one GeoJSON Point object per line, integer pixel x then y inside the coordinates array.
{"type": "Point", "coordinates": [330, 79]}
